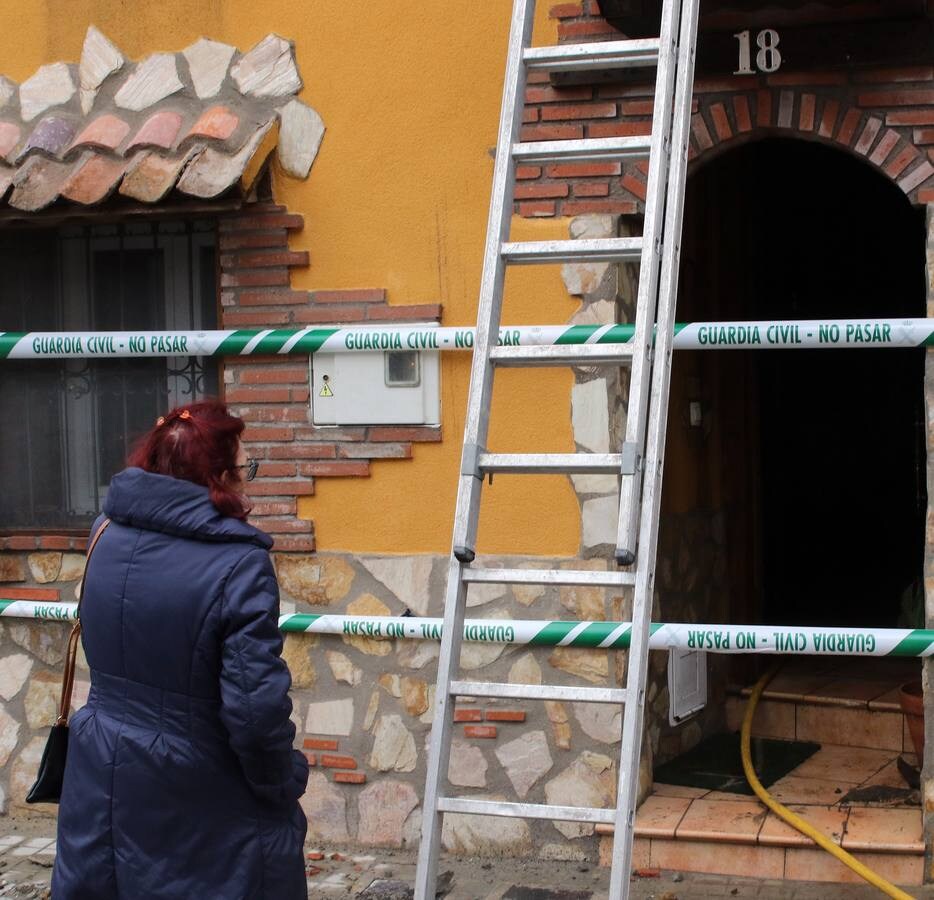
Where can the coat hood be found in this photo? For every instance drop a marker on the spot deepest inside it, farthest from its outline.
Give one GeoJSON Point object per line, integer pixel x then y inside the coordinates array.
{"type": "Point", "coordinates": [174, 506]}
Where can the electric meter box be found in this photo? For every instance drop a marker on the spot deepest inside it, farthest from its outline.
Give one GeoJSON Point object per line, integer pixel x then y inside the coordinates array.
{"type": "Point", "coordinates": [399, 387]}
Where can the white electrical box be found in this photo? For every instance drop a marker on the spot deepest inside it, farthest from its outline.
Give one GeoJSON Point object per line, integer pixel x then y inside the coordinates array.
{"type": "Point", "coordinates": [687, 683]}
{"type": "Point", "coordinates": [400, 387]}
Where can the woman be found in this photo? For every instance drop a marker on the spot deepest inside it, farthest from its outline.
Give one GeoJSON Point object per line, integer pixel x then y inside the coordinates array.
{"type": "Point", "coordinates": [181, 780]}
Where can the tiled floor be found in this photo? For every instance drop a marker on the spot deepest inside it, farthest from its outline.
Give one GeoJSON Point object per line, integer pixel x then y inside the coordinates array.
{"type": "Point", "coordinates": [854, 703]}
{"type": "Point", "coordinates": [853, 712]}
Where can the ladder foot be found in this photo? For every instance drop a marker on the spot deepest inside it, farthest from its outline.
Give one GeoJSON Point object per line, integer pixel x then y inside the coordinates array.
{"type": "Point", "coordinates": [464, 555]}
{"type": "Point", "coordinates": [624, 557]}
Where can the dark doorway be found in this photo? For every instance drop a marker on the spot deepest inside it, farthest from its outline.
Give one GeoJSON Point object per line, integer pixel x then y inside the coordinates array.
{"type": "Point", "coordinates": [813, 460]}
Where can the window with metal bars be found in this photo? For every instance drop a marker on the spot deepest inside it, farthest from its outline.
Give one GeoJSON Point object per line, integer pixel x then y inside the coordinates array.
{"type": "Point", "coordinates": [67, 425]}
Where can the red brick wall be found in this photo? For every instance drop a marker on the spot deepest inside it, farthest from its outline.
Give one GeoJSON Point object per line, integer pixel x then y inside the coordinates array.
{"type": "Point", "coordinates": [271, 393]}
{"type": "Point", "coordinates": [885, 116]}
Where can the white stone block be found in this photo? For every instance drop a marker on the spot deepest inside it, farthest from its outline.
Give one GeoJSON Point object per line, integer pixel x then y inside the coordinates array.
{"type": "Point", "coordinates": [599, 312]}
{"type": "Point", "coordinates": [601, 722]}
{"type": "Point", "coordinates": [9, 735]}
{"type": "Point", "coordinates": [51, 86]}
{"type": "Point", "coordinates": [330, 717]}
{"type": "Point", "coordinates": [596, 225]}
{"type": "Point", "coordinates": [525, 760]}
{"type": "Point", "coordinates": [600, 519]}
{"type": "Point", "coordinates": [99, 58]}
{"type": "Point", "coordinates": [268, 70]}
{"type": "Point", "coordinates": [14, 670]}
{"type": "Point", "coordinates": [595, 484]}
{"type": "Point", "coordinates": [467, 765]}
{"type": "Point", "coordinates": [208, 62]}
{"type": "Point", "coordinates": [393, 746]}
{"type": "Point", "coordinates": [154, 79]}
{"type": "Point", "coordinates": [301, 131]}
{"type": "Point", "coordinates": [7, 90]}
{"type": "Point", "coordinates": [584, 278]}
{"type": "Point", "coordinates": [589, 415]}
{"type": "Point", "coordinates": [485, 835]}
{"type": "Point", "coordinates": [408, 577]}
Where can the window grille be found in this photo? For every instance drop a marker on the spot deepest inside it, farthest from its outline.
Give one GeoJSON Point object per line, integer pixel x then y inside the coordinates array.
{"type": "Point", "coordinates": [68, 425]}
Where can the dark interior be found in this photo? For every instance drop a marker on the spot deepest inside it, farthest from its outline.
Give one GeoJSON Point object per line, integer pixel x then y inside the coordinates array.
{"type": "Point", "coordinates": [813, 459]}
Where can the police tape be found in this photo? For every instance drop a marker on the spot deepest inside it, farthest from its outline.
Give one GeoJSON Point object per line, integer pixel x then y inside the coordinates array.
{"type": "Point", "coordinates": [802, 641]}
{"type": "Point", "coordinates": [799, 334]}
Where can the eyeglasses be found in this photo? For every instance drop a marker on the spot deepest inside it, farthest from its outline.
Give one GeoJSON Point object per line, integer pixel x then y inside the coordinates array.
{"type": "Point", "coordinates": [251, 466]}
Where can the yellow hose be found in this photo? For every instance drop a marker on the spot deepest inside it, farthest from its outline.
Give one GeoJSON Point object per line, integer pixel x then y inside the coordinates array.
{"type": "Point", "coordinates": [796, 821]}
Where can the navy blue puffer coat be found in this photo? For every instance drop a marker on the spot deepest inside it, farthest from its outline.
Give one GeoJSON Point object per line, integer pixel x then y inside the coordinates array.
{"type": "Point", "coordinates": [181, 779]}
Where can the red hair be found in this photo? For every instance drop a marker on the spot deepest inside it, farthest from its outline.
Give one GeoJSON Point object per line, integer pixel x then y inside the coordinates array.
{"type": "Point", "coordinates": [198, 443]}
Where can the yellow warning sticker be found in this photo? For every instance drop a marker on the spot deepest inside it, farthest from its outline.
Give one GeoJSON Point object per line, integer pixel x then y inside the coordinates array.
{"type": "Point", "coordinates": [326, 391]}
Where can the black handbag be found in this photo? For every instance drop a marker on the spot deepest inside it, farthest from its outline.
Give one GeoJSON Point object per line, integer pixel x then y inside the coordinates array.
{"type": "Point", "coordinates": [48, 786]}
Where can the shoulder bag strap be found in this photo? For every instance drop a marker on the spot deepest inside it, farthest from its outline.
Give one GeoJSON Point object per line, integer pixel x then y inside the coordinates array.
{"type": "Point", "coordinates": [68, 676]}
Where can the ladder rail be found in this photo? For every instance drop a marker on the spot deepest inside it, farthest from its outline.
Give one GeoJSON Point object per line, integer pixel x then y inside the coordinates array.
{"type": "Point", "coordinates": [644, 593]}
{"type": "Point", "coordinates": [645, 429]}
{"type": "Point", "coordinates": [475, 432]}
{"type": "Point", "coordinates": [647, 296]}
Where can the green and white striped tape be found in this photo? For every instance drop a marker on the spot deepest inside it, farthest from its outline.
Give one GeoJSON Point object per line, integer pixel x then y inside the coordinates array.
{"type": "Point", "coordinates": [801, 641]}
{"type": "Point", "coordinates": [829, 333]}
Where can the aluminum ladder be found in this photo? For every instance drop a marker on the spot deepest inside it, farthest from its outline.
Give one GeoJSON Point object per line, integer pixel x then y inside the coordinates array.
{"type": "Point", "coordinates": [640, 461]}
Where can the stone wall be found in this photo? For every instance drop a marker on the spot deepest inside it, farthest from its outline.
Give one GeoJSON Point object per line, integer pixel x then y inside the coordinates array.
{"type": "Point", "coordinates": [362, 706]}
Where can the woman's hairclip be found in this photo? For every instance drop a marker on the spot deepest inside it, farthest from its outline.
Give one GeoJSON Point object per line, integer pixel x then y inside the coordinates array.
{"type": "Point", "coordinates": [184, 414]}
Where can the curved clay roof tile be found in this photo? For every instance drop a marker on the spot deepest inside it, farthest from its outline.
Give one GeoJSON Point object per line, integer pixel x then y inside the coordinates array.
{"type": "Point", "coordinates": [106, 132]}
{"type": "Point", "coordinates": [216, 122]}
{"type": "Point", "coordinates": [38, 182]}
{"type": "Point", "coordinates": [9, 137]}
{"type": "Point", "coordinates": [159, 130]}
{"type": "Point", "coordinates": [152, 176]}
{"type": "Point", "coordinates": [51, 136]}
{"type": "Point", "coordinates": [95, 180]}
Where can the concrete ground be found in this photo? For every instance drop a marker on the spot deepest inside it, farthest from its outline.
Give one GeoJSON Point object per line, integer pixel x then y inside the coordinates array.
{"type": "Point", "coordinates": [27, 852]}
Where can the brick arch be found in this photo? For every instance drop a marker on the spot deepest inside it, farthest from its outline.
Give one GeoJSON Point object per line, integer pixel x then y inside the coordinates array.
{"type": "Point", "coordinates": [722, 121]}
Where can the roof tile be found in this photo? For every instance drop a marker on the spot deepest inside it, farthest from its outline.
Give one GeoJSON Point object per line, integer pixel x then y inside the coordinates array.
{"type": "Point", "coordinates": [216, 122]}
{"type": "Point", "coordinates": [38, 182]}
{"type": "Point", "coordinates": [159, 130]}
{"type": "Point", "coordinates": [106, 132]}
{"type": "Point", "coordinates": [51, 136]}
{"type": "Point", "coordinates": [95, 180]}
{"type": "Point", "coordinates": [201, 146]}
{"type": "Point", "coordinates": [213, 172]}
{"type": "Point", "coordinates": [6, 179]}
{"type": "Point", "coordinates": [152, 176]}
{"type": "Point", "coordinates": [9, 137]}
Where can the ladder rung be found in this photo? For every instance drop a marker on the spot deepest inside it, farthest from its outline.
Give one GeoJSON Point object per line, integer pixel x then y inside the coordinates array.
{"type": "Point", "coordinates": [548, 576]}
{"type": "Point", "coordinates": [597, 55]}
{"type": "Point", "coordinates": [563, 355]}
{"type": "Point", "coordinates": [525, 810]}
{"type": "Point", "coordinates": [594, 250]}
{"type": "Point", "coordinates": [537, 692]}
{"type": "Point", "coordinates": [588, 150]}
{"type": "Point", "coordinates": [551, 463]}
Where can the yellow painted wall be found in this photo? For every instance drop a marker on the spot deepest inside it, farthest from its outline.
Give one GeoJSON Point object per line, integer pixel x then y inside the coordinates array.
{"type": "Point", "coordinates": [409, 91]}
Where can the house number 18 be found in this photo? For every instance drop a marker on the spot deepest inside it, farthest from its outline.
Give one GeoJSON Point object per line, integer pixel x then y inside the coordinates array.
{"type": "Point", "coordinates": [768, 59]}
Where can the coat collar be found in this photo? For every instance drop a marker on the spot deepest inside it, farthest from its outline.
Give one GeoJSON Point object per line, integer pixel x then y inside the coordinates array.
{"type": "Point", "coordinates": [174, 506]}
